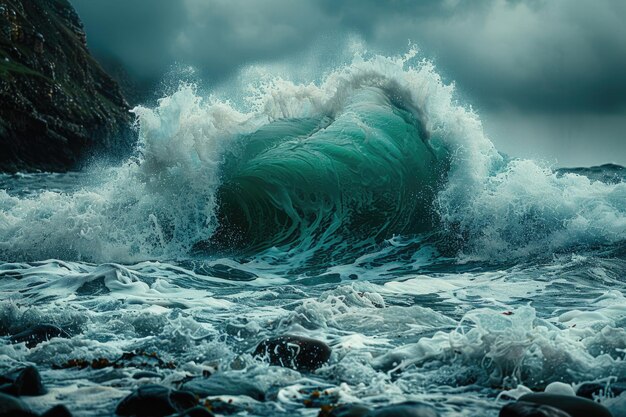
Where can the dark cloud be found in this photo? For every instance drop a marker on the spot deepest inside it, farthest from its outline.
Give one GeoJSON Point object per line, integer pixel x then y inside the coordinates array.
{"type": "Point", "coordinates": [524, 57]}
{"type": "Point", "coordinates": [554, 55]}
{"type": "Point", "coordinates": [544, 55]}
{"type": "Point", "coordinates": [216, 36]}
{"type": "Point", "coordinates": [141, 34]}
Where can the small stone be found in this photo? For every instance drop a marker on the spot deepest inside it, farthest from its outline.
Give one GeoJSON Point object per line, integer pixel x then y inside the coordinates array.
{"type": "Point", "coordinates": [406, 409]}
{"type": "Point", "coordinates": [526, 409]}
{"type": "Point", "coordinates": [296, 352]}
{"type": "Point", "coordinates": [223, 384]}
{"type": "Point", "coordinates": [155, 401]}
{"type": "Point", "coordinates": [22, 381]}
{"type": "Point", "coordinates": [39, 333]}
{"type": "Point", "coordinates": [57, 411]}
{"type": "Point", "coordinates": [574, 406]}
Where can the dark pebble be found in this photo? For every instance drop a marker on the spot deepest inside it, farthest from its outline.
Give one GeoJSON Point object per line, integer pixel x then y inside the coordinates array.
{"type": "Point", "coordinates": [57, 411]}
{"type": "Point", "coordinates": [155, 401]}
{"type": "Point", "coordinates": [39, 333]}
{"type": "Point", "coordinates": [296, 352]}
{"type": "Point", "coordinates": [574, 406]}
{"type": "Point", "coordinates": [406, 409]}
{"type": "Point", "coordinates": [22, 381]}
{"type": "Point", "coordinates": [223, 384]}
{"type": "Point", "coordinates": [526, 409]}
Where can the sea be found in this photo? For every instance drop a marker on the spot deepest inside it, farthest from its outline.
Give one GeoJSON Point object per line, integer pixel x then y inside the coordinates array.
{"type": "Point", "coordinates": [366, 209]}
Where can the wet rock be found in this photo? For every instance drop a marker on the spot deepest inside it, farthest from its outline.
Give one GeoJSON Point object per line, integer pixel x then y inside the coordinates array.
{"type": "Point", "coordinates": [591, 389]}
{"type": "Point", "coordinates": [39, 333]}
{"type": "Point", "coordinates": [224, 384]}
{"type": "Point", "coordinates": [560, 388]}
{"type": "Point", "coordinates": [526, 409]}
{"type": "Point", "coordinates": [296, 352]}
{"type": "Point", "coordinates": [346, 410]}
{"type": "Point", "coordinates": [155, 401]}
{"type": "Point", "coordinates": [574, 406]}
{"type": "Point", "coordinates": [406, 409]}
{"type": "Point", "coordinates": [10, 406]}
{"type": "Point", "coordinates": [22, 381]}
{"type": "Point", "coordinates": [196, 412]}
{"type": "Point", "coordinates": [57, 411]}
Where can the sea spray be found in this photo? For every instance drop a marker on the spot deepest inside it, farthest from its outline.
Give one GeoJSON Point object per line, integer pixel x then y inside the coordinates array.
{"type": "Point", "coordinates": [386, 122]}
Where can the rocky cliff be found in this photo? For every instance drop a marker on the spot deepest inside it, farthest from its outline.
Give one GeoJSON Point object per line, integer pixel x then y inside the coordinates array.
{"type": "Point", "coordinates": [57, 105]}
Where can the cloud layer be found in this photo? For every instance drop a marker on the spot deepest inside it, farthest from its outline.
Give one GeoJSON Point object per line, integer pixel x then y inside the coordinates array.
{"type": "Point", "coordinates": [535, 57]}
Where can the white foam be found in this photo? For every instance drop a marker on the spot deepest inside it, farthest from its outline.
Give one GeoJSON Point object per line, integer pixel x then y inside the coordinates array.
{"type": "Point", "coordinates": [162, 202]}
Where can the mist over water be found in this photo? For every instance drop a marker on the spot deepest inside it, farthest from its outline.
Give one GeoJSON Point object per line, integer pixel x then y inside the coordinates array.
{"type": "Point", "coordinates": [366, 208]}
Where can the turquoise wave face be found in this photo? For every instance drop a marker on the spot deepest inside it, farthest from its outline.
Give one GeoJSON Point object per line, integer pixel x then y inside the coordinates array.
{"type": "Point", "coordinates": [362, 175]}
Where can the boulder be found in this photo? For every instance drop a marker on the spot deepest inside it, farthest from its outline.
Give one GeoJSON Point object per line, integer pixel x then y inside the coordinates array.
{"type": "Point", "coordinates": [296, 352]}
{"type": "Point", "coordinates": [22, 381]}
{"type": "Point", "coordinates": [155, 401]}
{"type": "Point", "coordinates": [574, 406]}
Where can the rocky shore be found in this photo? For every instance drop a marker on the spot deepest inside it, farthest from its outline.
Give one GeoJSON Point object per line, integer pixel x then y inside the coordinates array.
{"type": "Point", "coordinates": [210, 392]}
{"type": "Point", "coordinates": [58, 106]}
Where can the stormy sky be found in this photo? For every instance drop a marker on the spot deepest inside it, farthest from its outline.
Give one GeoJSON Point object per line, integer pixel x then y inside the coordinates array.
{"type": "Point", "coordinates": [548, 77]}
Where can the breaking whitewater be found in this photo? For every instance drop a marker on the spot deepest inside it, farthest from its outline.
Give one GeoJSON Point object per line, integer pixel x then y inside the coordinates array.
{"type": "Point", "coordinates": [366, 210]}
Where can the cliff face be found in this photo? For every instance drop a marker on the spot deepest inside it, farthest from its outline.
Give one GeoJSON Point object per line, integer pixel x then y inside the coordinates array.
{"type": "Point", "coordinates": [57, 105]}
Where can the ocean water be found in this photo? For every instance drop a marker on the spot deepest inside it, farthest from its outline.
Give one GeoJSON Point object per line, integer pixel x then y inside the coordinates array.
{"type": "Point", "coordinates": [366, 209]}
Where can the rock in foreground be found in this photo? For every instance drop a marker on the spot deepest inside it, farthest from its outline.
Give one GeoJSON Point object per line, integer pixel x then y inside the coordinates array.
{"type": "Point", "coordinates": [155, 401]}
{"type": "Point", "coordinates": [574, 406]}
